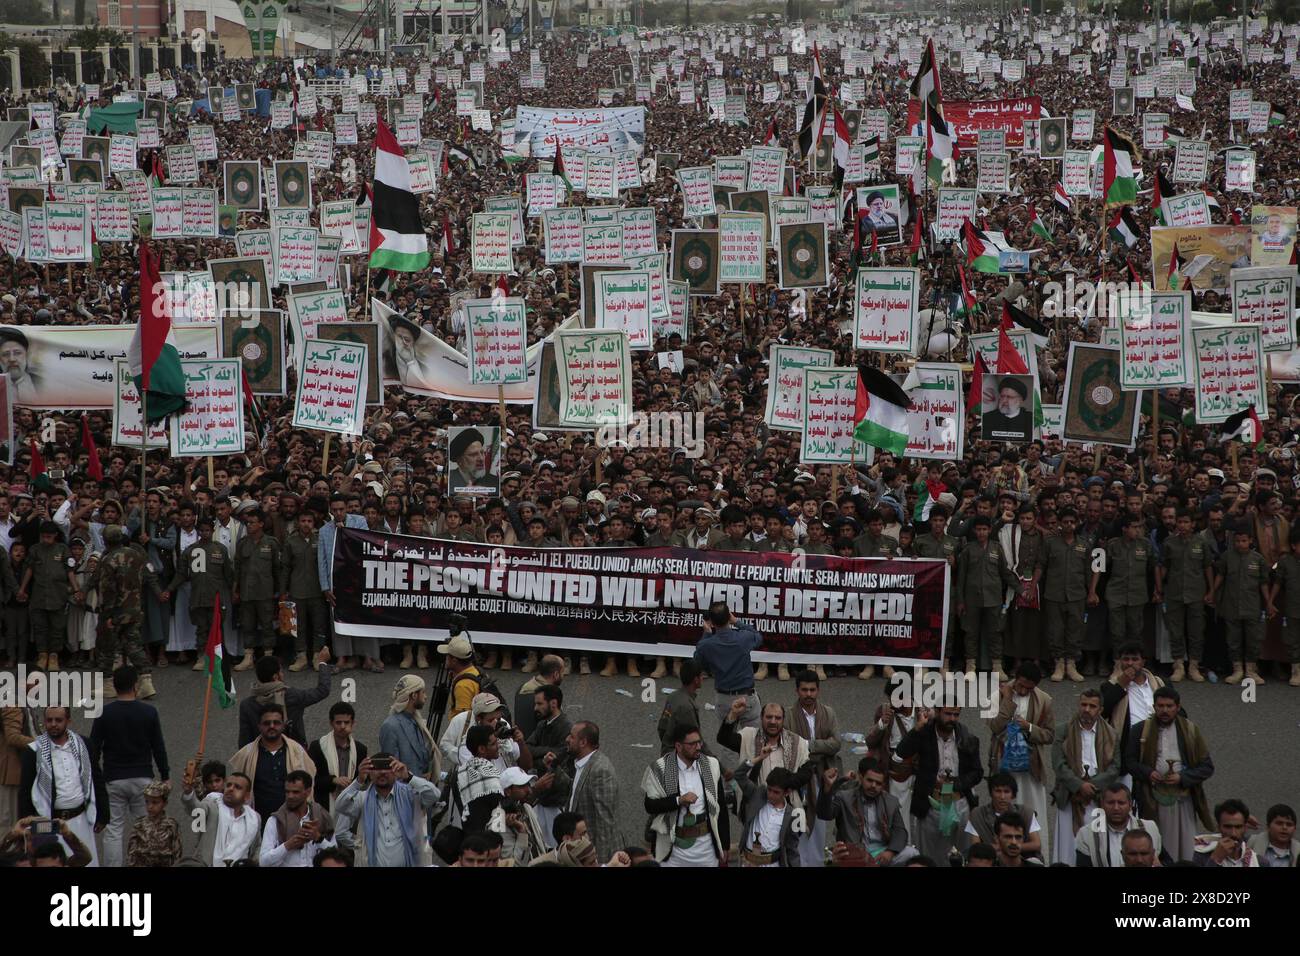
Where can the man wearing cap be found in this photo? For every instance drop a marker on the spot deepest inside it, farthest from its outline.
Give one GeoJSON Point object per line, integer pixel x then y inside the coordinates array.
{"type": "Point", "coordinates": [120, 579]}
{"type": "Point", "coordinates": [663, 535]}
{"type": "Point", "coordinates": [257, 571]}
{"type": "Point", "coordinates": [49, 580]}
{"type": "Point", "coordinates": [702, 536]}
{"type": "Point", "coordinates": [1186, 576]}
{"type": "Point", "coordinates": [465, 676]}
{"type": "Point", "coordinates": [523, 839]}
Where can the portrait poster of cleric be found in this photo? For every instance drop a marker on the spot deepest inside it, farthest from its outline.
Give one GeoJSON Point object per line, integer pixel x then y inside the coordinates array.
{"type": "Point", "coordinates": [474, 461]}
{"type": "Point", "coordinates": [1007, 411]}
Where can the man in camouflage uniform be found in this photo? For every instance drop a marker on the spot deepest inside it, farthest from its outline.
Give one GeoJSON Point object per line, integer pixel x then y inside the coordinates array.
{"type": "Point", "coordinates": [120, 579]}
{"type": "Point", "coordinates": [257, 572]}
{"type": "Point", "coordinates": [210, 572]}
{"type": "Point", "coordinates": [49, 578]}
{"type": "Point", "coordinates": [300, 583]}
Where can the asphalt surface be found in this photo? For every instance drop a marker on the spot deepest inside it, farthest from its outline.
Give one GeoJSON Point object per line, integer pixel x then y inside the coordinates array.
{"type": "Point", "coordinates": [1254, 744]}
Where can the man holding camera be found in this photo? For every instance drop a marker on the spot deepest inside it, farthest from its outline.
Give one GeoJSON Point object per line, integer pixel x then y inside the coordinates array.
{"type": "Point", "coordinates": [391, 804]}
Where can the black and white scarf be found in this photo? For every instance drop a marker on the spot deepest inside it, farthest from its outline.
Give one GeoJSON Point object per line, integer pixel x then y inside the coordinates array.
{"type": "Point", "coordinates": [43, 791]}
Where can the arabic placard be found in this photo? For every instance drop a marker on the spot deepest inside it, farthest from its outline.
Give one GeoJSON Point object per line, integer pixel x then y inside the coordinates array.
{"type": "Point", "coordinates": [127, 423]}
{"type": "Point", "coordinates": [742, 247]}
{"type": "Point", "coordinates": [623, 303]}
{"type": "Point", "coordinates": [1229, 372]}
{"type": "Point", "coordinates": [785, 383]}
{"type": "Point", "coordinates": [829, 402]}
{"type": "Point", "coordinates": [594, 370]}
{"type": "Point", "coordinates": [490, 249]}
{"type": "Point", "coordinates": [884, 309]}
{"type": "Point", "coordinates": [496, 339]}
{"type": "Point", "coordinates": [332, 387]}
{"type": "Point", "coordinates": [1264, 296]}
{"type": "Point", "coordinates": [1154, 351]}
{"type": "Point", "coordinates": [936, 415]}
{"type": "Point", "coordinates": [214, 422]}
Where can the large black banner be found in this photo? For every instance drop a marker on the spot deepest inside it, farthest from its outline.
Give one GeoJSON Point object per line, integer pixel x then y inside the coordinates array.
{"type": "Point", "coordinates": [640, 600]}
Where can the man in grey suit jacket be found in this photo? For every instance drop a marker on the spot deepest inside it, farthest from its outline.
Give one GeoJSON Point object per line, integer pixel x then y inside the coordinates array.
{"type": "Point", "coordinates": [865, 813]}
{"type": "Point", "coordinates": [1277, 847]}
{"type": "Point", "coordinates": [595, 788]}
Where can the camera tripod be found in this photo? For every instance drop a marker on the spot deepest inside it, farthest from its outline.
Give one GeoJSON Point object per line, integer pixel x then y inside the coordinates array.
{"type": "Point", "coordinates": [457, 624]}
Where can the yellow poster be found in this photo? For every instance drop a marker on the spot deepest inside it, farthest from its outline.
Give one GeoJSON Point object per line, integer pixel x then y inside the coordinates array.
{"type": "Point", "coordinates": [1272, 235]}
{"type": "Point", "coordinates": [1228, 247]}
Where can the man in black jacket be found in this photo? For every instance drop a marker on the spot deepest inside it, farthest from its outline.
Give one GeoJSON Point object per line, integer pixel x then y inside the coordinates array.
{"type": "Point", "coordinates": [126, 741]}
{"type": "Point", "coordinates": [336, 755]}
{"type": "Point", "coordinates": [550, 729]}
{"type": "Point", "coordinates": [947, 771]}
{"type": "Point", "coordinates": [271, 688]}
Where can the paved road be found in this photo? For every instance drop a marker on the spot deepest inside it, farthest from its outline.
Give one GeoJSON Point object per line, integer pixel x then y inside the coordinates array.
{"type": "Point", "coordinates": [1254, 745]}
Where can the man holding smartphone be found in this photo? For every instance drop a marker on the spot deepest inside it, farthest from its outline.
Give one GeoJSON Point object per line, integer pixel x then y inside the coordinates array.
{"type": "Point", "coordinates": [299, 830]}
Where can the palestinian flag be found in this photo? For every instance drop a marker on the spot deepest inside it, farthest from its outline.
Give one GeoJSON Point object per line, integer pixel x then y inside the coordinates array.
{"type": "Point", "coordinates": [871, 151]}
{"type": "Point", "coordinates": [1174, 278]}
{"type": "Point", "coordinates": [397, 239]}
{"type": "Point", "coordinates": [557, 168]}
{"type": "Point", "coordinates": [1124, 228]}
{"type": "Point", "coordinates": [1162, 188]}
{"type": "Point", "coordinates": [939, 141]}
{"type": "Point", "coordinates": [814, 109]}
{"type": "Point", "coordinates": [1061, 199]}
{"type": "Point", "coordinates": [455, 152]}
{"type": "Point", "coordinates": [155, 362]}
{"type": "Point", "coordinates": [1119, 185]}
{"type": "Point", "coordinates": [1276, 116]}
{"type": "Point", "coordinates": [1036, 226]}
{"type": "Point", "coordinates": [1018, 318]}
{"type": "Point", "coordinates": [219, 683]}
{"type": "Point", "coordinates": [880, 413]}
{"type": "Point", "coordinates": [1244, 427]}
{"type": "Point", "coordinates": [975, 396]}
{"type": "Point", "coordinates": [927, 497]}
{"type": "Point", "coordinates": [927, 77]}
{"type": "Point", "coordinates": [1213, 202]}
{"type": "Point", "coordinates": [981, 248]}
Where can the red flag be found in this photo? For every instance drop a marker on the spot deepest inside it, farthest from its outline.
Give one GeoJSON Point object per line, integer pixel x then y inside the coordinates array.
{"type": "Point", "coordinates": [771, 133]}
{"type": "Point", "coordinates": [447, 235]}
{"type": "Point", "coordinates": [967, 298]}
{"type": "Point", "coordinates": [503, 285]}
{"type": "Point", "coordinates": [37, 467]}
{"type": "Point", "coordinates": [94, 467]}
{"type": "Point", "coordinates": [873, 242]}
{"type": "Point", "coordinates": [975, 396]}
{"type": "Point", "coordinates": [1009, 360]}
{"type": "Point", "coordinates": [1007, 323]}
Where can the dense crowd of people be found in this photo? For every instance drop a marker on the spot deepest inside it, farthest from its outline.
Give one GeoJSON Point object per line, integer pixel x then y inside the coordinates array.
{"type": "Point", "coordinates": [1200, 578]}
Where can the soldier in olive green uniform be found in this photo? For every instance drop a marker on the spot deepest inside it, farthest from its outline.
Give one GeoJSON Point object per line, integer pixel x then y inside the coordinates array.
{"type": "Point", "coordinates": [1186, 576]}
{"type": "Point", "coordinates": [1128, 559]}
{"type": "Point", "coordinates": [120, 580]}
{"type": "Point", "coordinates": [210, 572]}
{"type": "Point", "coordinates": [300, 581]}
{"type": "Point", "coordinates": [1286, 577]}
{"type": "Point", "coordinates": [49, 579]}
{"type": "Point", "coordinates": [874, 543]}
{"type": "Point", "coordinates": [940, 545]}
{"type": "Point", "coordinates": [257, 571]}
{"type": "Point", "coordinates": [1067, 561]}
{"type": "Point", "coordinates": [982, 577]}
{"type": "Point", "coordinates": [1241, 592]}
